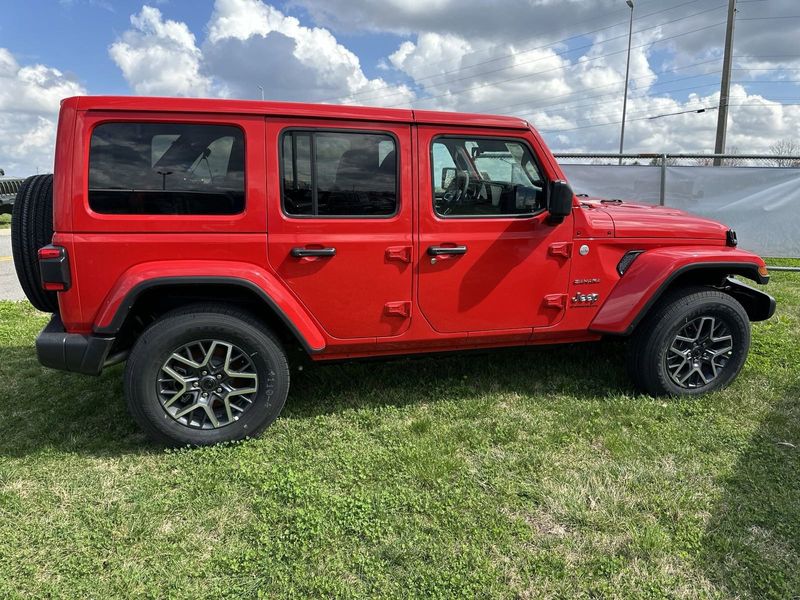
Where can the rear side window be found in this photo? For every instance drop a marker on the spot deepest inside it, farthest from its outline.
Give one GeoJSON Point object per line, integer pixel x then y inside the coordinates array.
{"type": "Point", "coordinates": [166, 169]}
{"type": "Point", "coordinates": [339, 174]}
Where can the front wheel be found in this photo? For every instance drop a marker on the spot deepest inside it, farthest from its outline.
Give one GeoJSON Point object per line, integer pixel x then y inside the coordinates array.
{"type": "Point", "coordinates": [206, 374]}
{"type": "Point", "coordinates": [695, 341]}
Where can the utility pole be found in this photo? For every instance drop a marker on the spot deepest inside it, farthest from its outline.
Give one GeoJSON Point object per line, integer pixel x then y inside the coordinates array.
{"type": "Point", "coordinates": [261, 89]}
{"type": "Point", "coordinates": [725, 87]}
{"type": "Point", "coordinates": [627, 73]}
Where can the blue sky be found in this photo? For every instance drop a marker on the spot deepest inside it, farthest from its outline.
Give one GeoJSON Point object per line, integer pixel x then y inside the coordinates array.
{"type": "Point", "coordinates": [559, 64]}
{"type": "Point", "coordinates": [74, 35]}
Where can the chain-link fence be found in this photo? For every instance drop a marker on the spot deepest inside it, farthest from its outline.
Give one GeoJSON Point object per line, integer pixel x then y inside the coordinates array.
{"type": "Point", "coordinates": [756, 194]}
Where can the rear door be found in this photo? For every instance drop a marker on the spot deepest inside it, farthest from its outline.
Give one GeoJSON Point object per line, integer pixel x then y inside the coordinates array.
{"type": "Point", "coordinates": [489, 259]}
{"type": "Point", "coordinates": [339, 222]}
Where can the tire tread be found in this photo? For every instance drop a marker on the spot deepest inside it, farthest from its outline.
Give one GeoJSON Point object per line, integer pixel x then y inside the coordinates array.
{"type": "Point", "coordinates": [31, 229]}
{"type": "Point", "coordinates": [643, 342]}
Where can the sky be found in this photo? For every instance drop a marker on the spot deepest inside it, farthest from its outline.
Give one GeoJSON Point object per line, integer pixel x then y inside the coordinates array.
{"type": "Point", "coordinates": [560, 64]}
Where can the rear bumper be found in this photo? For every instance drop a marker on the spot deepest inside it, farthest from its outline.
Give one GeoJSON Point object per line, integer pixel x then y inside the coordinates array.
{"type": "Point", "coordinates": [73, 352]}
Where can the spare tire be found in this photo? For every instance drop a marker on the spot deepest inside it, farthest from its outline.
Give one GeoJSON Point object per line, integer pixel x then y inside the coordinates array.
{"type": "Point", "coordinates": [31, 229]}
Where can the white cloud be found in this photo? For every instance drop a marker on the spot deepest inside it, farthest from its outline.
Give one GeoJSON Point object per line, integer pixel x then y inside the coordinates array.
{"type": "Point", "coordinates": [159, 57]}
{"type": "Point", "coordinates": [249, 43]}
{"type": "Point", "coordinates": [465, 56]}
{"type": "Point", "coordinates": [29, 100]}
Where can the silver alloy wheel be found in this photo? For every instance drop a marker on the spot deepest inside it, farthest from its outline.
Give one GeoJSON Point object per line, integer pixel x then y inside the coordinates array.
{"type": "Point", "coordinates": [699, 352]}
{"type": "Point", "coordinates": [207, 384]}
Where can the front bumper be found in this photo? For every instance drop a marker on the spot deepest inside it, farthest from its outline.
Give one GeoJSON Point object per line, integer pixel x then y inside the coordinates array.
{"type": "Point", "coordinates": [73, 352]}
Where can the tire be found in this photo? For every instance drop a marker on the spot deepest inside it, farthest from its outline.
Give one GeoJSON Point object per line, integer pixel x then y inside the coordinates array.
{"type": "Point", "coordinates": [31, 229]}
{"type": "Point", "coordinates": [664, 359]}
{"type": "Point", "coordinates": [154, 396]}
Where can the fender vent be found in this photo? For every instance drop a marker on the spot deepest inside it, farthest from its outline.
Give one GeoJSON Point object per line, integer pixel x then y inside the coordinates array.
{"type": "Point", "coordinates": [627, 260]}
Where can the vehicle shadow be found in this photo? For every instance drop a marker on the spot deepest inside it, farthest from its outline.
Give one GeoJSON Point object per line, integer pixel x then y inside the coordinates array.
{"type": "Point", "coordinates": [46, 409]}
{"type": "Point", "coordinates": [751, 546]}
{"type": "Point", "coordinates": [588, 370]}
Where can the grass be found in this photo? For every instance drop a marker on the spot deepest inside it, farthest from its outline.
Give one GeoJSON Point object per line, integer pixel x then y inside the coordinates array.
{"type": "Point", "coordinates": [5, 221]}
{"type": "Point", "coordinates": [520, 474]}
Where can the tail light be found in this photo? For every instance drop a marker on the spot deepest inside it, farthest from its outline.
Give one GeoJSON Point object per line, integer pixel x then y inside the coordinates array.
{"type": "Point", "coordinates": [54, 269]}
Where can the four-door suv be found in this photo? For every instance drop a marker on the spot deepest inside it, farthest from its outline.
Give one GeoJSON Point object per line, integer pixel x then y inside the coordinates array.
{"type": "Point", "coordinates": [198, 239]}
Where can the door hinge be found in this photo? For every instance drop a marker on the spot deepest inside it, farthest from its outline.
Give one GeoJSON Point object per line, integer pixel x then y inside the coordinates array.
{"type": "Point", "coordinates": [397, 309]}
{"type": "Point", "coordinates": [558, 301]}
{"type": "Point", "coordinates": [561, 249]}
{"type": "Point", "coordinates": [401, 253]}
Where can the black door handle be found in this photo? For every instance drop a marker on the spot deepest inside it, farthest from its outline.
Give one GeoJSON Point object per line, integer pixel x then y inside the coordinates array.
{"type": "Point", "coordinates": [439, 250]}
{"type": "Point", "coordinates": [303, 252]}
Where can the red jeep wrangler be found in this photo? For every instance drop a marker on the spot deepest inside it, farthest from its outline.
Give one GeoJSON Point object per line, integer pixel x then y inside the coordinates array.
{"type": "Point", "coordinates": [198, 239]}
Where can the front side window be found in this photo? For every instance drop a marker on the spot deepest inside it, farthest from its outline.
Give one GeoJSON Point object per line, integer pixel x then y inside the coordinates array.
{"type": "Point", "coordinates": [166, 169]}
{"type": "Point", "coordinates": [484, 177]}
{"type": "Point", "coordinates": [344, 174]}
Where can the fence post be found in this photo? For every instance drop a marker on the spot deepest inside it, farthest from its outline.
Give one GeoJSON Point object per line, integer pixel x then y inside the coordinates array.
{"type": "Point", "coordinates": [663, 190]}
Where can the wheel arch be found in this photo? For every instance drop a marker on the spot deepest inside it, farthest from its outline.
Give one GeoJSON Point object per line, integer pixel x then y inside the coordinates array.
{"type": "Point", "coordinates": [147, 299]}
{"type": "Point", "coordinates": [639, 290]}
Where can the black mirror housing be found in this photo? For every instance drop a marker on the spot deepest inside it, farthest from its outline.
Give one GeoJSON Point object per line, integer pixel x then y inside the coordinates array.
{"type": "Point", "coordinates": [559, 200]}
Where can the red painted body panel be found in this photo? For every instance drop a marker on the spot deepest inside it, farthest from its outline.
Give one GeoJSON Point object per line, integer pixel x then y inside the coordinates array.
{"type": "Point", "coordinates": [502, 280]}
{"type": "Point", "coordinates": [159, 269]}
{"type": "Point", "coordinates": [647, 220]}
{"type": "Point", "coordinates": [514, 286]}
{"type": "Point", "coordinates": [348, 292]}
{"type": "Point", "coordinates": [647, 274]}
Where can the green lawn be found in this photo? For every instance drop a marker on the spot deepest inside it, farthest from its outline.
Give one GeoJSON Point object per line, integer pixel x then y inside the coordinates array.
{"type": "Point", "coordinates": [5, 221]}
{"type": "Point", "coordinates": [520, 474]}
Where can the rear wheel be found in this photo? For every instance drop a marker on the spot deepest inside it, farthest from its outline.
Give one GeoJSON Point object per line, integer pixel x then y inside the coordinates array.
{"type": "Point", "coordinates": [206, 374]}
{"type": "Point", "coordinates": [31, 229]}
{"type": "Point", "coordinates": [695, 341]}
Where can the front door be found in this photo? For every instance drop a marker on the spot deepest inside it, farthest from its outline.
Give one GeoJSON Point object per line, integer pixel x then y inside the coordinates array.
{"type": "Point", "coordinates": [489, 258]}
{"type": "Point", "coordinates": [339, 222]}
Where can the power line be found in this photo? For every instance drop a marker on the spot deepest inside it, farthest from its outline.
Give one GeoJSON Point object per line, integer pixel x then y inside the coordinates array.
{"type": "Point", "coordinates": [607, 94]}
{"type": "Point", "coordinates": [684, 112]}
{"type": "Point", "coordinates": [529, 34]}
{"type": "Point", "coordinates": [657, 73]}
{"type": "Point", "coordinates": [576, 36]}
{"type": "Point", "coordinates": [646, 118]}
{"type": "Point", "coordinates": [616, 100]}
{"type": "Point", "coordinates": [526, 76]}
{"type": "Point", "coordinates": [690, 107]}
{"type": "Point", "coordinates": [770, 18]}
{"type": "Point", "coordinates": [358, 95]}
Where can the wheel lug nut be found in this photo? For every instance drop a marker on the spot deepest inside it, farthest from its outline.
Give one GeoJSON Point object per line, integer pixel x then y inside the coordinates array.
{"type": "Point", "coordinates": [219, 376]}
{"type": "Point", "coordinates": [219, 390]}
{"type": "Point", "coordinates": [205, 372]}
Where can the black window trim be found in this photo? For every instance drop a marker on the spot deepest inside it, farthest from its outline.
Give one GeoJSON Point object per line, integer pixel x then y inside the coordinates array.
{"type": "Point", "coordinates": [507, 216]}
{"type": "Point", "coordinates": [314, 200]}
{"type": "Point", "coordinates": [180, 120]}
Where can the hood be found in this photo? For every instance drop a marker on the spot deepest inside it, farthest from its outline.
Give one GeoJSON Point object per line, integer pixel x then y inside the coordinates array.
{"type": "Point", "coordinates": [648, 221]}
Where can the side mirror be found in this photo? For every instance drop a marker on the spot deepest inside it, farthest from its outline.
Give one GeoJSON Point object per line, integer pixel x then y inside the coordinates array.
{"type": "Point", "coordinates": [559, 201]}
